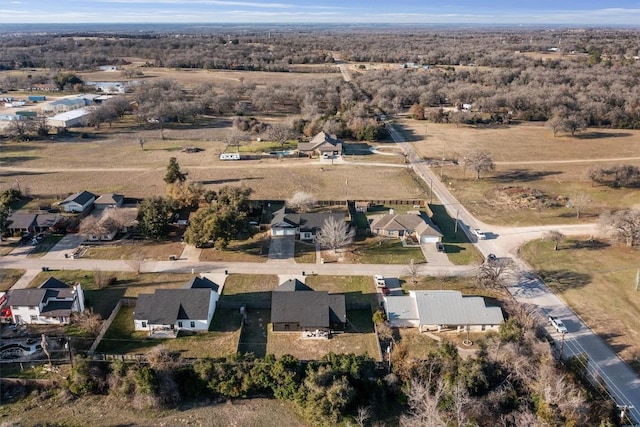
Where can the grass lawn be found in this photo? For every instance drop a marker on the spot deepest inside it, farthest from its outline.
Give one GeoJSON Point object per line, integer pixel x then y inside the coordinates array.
{"type": "Point", "coordinates": [359, 340]}
{"type": "Point", "coordinates": [418, 345]}
{"type": "Point", "coordinates": [253, 249]}
{"type": "Point", "coordinates": [372, 250]}
{"type": "Point", "coordinates": [7, 246]}
{"type": "Point", "coordinates": [305, 252]}
{"type": "Point", "coordinates": [598, 283]}
{"type": "Point", "coordinates": [466, 285]}
{"type": "Point", "coordinates": [357, 289]}
{"type": "Point", "coordinates": [121, 338]}
{"type": "Point", "coordinates": [254, 333]}
{"type": "Point", "coordinates": [456, 244]}
{"type": "Point", "coordinates": [136, 251]}
{"type": "Point", "coordinates": [249, 287]}
{"type": "Point", "coordinates": [8, 277]}
{"type": "Point", "coordinates": [45, 245]}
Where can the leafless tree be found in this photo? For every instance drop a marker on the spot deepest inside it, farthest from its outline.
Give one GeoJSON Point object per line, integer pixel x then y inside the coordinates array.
{"type": "Point", "coordinates": [135, 262]}
{"type": "Point", "coordinates": [412, 270]}
{"type": "Point", "coordinates": [335, 234]}
{"type": "Point", "coordinates": [141, 141]}
{"type": "Point", "coordinates": [460, 399]}
{"type": "Point", "coordinates": [281, 132]}
{"type": "Point", "coordinates": [301, 201]}
{"type": "Point", "coordinates": [580, 202]}
{"type": "Point", "coordinates": [88, 321]}
{"type": "Point", "coordinates": [622, 225]}
{"type": "Point", "coordinates": [554, 236]}
{"type": "Point", "coordinates": [363, 415]}
{"type": "Point", "coordinates": [492, 273]}
{"type": "Point", "coordinates": [92, 226]}
{"type": "Point", "coordinates": [424, 403]}
{"type": "Point", "coordinates": [102, 278]}
{"type": "Point", "coordinates": [479, 161]}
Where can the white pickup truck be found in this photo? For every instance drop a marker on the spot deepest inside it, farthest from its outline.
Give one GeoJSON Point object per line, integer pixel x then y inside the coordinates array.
{"type": "Point", "coordinates": [481, 235]}
{"type": "Point", "coordinates": [558, 325]}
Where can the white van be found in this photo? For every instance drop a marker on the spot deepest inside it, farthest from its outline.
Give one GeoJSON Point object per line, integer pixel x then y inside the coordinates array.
{"type": "Point", "coordinates": [230, 156]}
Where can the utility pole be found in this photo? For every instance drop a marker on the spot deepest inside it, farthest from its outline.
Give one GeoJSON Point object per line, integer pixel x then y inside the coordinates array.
{"type": "Point", "coordinates": [637, 279]}
{"type": "Point", "coordinates": [561, 348]}
{"type": "Point", "coordinates": [455, 230]}
{"type": "Point", "coordinates": [431, 202]}
{"type": "Point", "coordinates": [623, 411]}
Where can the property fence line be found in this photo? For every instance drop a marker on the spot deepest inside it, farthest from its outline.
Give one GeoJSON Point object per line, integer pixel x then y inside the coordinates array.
{"type": "Point", "coordinates": [128, 302]}
{"type": "Point", "coordinates": [265, 305]}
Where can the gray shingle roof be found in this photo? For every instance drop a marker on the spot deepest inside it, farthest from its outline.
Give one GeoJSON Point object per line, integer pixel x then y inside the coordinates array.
{"type": "Point", "coordinates": [201, 283]}
{"type": "Point", "coordinates": [110, 199]}
{"type": "Point", "coordinates": [48, 220]}
{"type": "Point", "coordinates": [396, 222]}
{"type": "Point", "coordinates": [311, 309]}
{"type": "Point", "coordinates": [306, 221]}
{"type": "Point", "coordinates": [322, 142]}
{"type": "Point", "coordinates": [292, 285]}
{"type": "Point", "coordinates": [166, 306]}
{"type": "Point", "coordinates": [21, 220]}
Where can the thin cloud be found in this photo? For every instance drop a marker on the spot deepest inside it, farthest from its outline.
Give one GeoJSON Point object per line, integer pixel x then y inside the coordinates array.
{"type": "Point", "coordinates": [205, 2]}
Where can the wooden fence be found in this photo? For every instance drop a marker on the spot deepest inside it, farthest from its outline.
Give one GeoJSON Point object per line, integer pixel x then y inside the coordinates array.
{"type": "Point", "coordinates": [127, 302]}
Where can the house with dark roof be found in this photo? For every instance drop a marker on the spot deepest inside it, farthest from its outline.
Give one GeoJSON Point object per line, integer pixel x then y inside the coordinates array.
{"type": "Point", "coordinates": [21, 222]}
{"type": "Point", "coordinates": [78, 202]}
{"type": "Point", "coordinates": [303, 225]}
{"type": "Point", "coordinates": [322, 144]}
{"type": "Point", "coordinates": [51, 303]}
{"type": "Point", "coordinates": [49, 222]}
{"type": "Point", "coordinates": [171, 310]}
{"type": "Point", "coordinates": [442, 310]}
{"type": "Point", "coordinates": [110, 200]}
{"type": "Point", "coordinates": [406, 225]}
{"type": "Point", "coordinates": [316, 314]}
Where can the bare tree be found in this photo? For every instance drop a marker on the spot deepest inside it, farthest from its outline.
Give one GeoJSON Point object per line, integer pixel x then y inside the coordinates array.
{"type": "Point", "coordinates": [88, 321]}
{"type": "Point", "coordinates": [580, 202]}
{"type": "Point", "coordinates": [141, 141]}
{"type": "Point", "coordinates": [479, 161]}
{"type": "Point", "coordinates": [102, 278]}
{"type": "Point", "coordinates": [335, 234]}
{"type": "Point", "coordinates": [301, 201]}
{"type": "Point", "coordinates": [622, 225]}
{"type": "Point", "coordinates": [554, 236]}
{"type": "Point", "coordinates": [92, 226]}
{"type": "Point", "coordinates": [460, 399]}
{"type": "Point", "coordinates": [492, 273]}
{"type": "Point", "coordinates": [136, 262]}
{"type": "Point", "coordinates": [363, 415]}
{"type": "Point", "coordinates": [281, 132]}
{"type": "Point", "coordinates": [424, 400]}
{"type": "Point", "coordinates": [412, 270]}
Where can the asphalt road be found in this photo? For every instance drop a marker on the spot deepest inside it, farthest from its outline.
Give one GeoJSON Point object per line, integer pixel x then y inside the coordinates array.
{"type": "Point", "coordinates": [603, 363]}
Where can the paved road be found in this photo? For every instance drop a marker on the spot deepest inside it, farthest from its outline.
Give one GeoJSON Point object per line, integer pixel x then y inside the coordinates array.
{"type": "Point", "coordinates": [603, 362]}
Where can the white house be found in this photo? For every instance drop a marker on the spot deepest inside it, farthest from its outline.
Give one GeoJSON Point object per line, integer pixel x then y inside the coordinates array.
{"type": "Point", "coordinates": [172, 310]}
{"type": "Point", "coordinates": [78, 202]}
{"type": "Point", "coordinates": [49, 304]}
{"type": "Point", "coordinates": [442, 310]}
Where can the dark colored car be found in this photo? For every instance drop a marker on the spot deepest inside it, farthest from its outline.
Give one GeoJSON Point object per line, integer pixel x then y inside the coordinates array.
{"type": "Point", "coordinates": [440, 247]}
{"type": "Point", "coordinates": [492, 257]}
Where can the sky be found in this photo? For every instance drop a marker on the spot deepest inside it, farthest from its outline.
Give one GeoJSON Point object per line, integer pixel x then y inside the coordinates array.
{"type": "Point", "coordinates": [517, 12]}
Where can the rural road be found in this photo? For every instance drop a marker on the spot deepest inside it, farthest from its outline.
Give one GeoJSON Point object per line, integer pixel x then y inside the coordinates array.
{"type": "Point", "coordinates": [603, 363]}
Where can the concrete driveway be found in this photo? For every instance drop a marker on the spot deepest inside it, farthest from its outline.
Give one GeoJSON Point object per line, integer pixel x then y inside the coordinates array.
{"type": "Point", "coordinates": [432, 255]}
{"type": "Point", "coordinates": [66, 245]}
{"type": "Point", "coordinates": [282, 248]}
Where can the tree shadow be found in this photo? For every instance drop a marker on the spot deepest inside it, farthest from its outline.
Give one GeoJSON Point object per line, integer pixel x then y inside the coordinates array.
{"type": "Point", "coordinates": [9, 161]}
{"type": "Point", "coordinates": [19, 147]}
{"type": "Point", "coordinates": [600, 134]}
{"type": "Point", "coordinates": [592, 244]}
{"type": "Point", "coordinates": [228, 180]}
{"type": "Point", "coordinates": [253, 338]}
{"type": "Point", "coordinates": [610, 339]}
{"type": "Point", "coordinates": [562, 280]}
{"type": "Point", "coordinates": [522, 175]}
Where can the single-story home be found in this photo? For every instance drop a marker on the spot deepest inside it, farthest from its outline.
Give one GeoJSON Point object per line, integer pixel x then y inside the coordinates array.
{"type": "Point", "coordinates": [21, 222]}
{"type": "Point", "coordinates": [170, 310]}
{"type": "Point", "coordinates": [316, 314]}
{"type": "Point", "coordinates": [438, 310]}
{"type": "Point", "coordinates": [304, 225]}
{"type": "Point", "coordinates": [110, 200]}
{"type": "Point", "coordinates": [78, 202]}
{"type": "Point", "coordinates": [403, 225]}
{"type": "Point", "coordinates": [49, 304]}
{"type": "Point", "coordinates": [322, 144]}
{"type": "Point", "coordinates": [49, 222]}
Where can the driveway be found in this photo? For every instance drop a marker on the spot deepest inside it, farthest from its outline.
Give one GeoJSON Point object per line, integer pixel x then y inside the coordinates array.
{"type": "Point", "coordinates": [66, 245]}
{"type": "Point", "coordinates": [282, 248]}
{"type": "Point", "coordinates": [432, 255]}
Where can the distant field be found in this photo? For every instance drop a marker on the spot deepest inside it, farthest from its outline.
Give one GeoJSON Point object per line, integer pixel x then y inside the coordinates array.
{"type": "Point", "coordinates": [529, 156]}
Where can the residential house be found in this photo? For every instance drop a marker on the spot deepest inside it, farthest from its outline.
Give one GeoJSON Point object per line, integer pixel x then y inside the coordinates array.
{"type": "Point", "coordinates": [49, 222]}
{"type": "Point", "coordinates": [442, 310]}
{"type": "Point", "coordinates": [78, 202]}
{"type": "Point", "coordinates": [171, 310]}
{"type": "Point", "coordinates": [21, 222]}
{"type": "Point", "coordinates": [110, 200]}
{"type": "Point", "coordinates": [49, 304]}
{"type": "Point", "coordinates": [316, 314]}
{"type": "Point", "coordinates": [304, 225]}
{"type": "Point", "coordinates": [406, 225]}
{"type": "Point", "coordinates": [322, 144]}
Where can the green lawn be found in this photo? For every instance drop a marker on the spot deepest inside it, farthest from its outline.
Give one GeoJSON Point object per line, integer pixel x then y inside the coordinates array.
{"type": "Point", "coordinates": [373, 250]}
{"type": "Point", "coordinates": [457, 246]}
{"type": "Point", "coordinates": [357, 289]}
{"type": "Point", "coordinates": [249, 287]}
{"type": "Point", "coordinates": [252, 249]}
{"type": "Point", "coordinates": [305, 253]}
{"type": "Point", "coordinates": [466, 285]}
{"type": "Point", "coordinates": [7, 246]}
{"type": "Point", "coordinates": [598, 282]}
{"type": "Point", "coordinates": [8, 277]}
{"type": "Point", "coordinates": [45, 245]}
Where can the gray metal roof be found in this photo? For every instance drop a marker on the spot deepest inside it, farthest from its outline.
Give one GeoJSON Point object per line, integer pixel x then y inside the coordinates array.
{"type": "Point", "coordinates": [401, 308]}
{"type": "Point", "coordinates": [452, 308]}
{"type": "Point", "coordinates": [80, 198]}
{"type": "Point", "coordinates": [110, 199]}
{"type": "Point", "coordinates": [166, 306]}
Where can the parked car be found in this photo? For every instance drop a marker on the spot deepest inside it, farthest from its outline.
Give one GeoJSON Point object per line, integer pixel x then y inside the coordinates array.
{"type": "Point", "coordinates": [491, 257]}
{"type": "Point", "coordinates": [440, 246]}
{"type": "Point", "coordinates": [558, 325]}
{"type": "Point", "coordinates": [481, 235]}
{"type": "Point", "coordinates": [379, 280]}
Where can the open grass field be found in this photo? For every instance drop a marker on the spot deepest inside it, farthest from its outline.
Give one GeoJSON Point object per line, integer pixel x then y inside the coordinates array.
{"type": "Point", "coordinates": [374, 250]}
{"type": "Point", "coordinates": [527, 155]}
{"type": "Point", "coordinates": [249, 288]}
{"type": "Point", "coordinates": [135, 250]}
{"type": "Point", "coordinates": [466, 285]}
{"type": "Point", "coordinates": [112, 161]}
{"type": "Point", "coordinates": [357, 289]}
{"type": "Point", "coordinates": [598, 283]}
{"type": "Point", "coordinates": [253, 249]}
